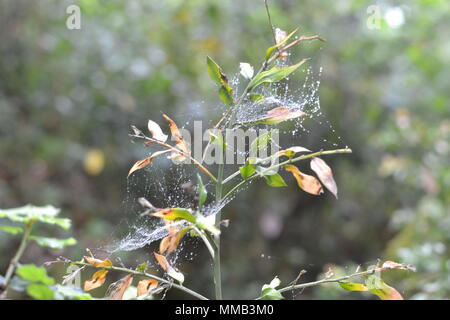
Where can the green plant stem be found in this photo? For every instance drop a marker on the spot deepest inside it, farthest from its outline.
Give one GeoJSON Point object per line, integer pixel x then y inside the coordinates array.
{"type": "Point", "coordinates": [216, 258]}
{"type": "Point", "coordinates": [327, 280]}
{"type": "Point", "coordinates": [207, 242]}
{"type": "Point", "coordinates": [142, 273]}
{"type": "Point", "coordinates": [292, 160]}
{"type": "Point", "coordinates": [15, 260]}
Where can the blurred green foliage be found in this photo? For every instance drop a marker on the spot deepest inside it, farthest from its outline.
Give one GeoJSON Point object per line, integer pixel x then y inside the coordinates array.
{"type": "Point", "coordinates": [67, 98]}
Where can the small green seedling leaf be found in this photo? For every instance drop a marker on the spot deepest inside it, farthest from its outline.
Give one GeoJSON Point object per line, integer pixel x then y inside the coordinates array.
{"type": "Point", "coordinates": [275, 180]}
{"type": "Point", "coordinates": [350, 286]}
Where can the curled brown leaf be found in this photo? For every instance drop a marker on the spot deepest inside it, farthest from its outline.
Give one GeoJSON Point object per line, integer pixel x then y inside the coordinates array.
{"type": "Point", "coordinates": [306, 182]}
{"type": "Point", "coordinates": [179, 142]}
{"type": "Point", "coordinates": [145, 162]}
{"type": "Point", "coordinates": [96, 280]}
{"type": "Point", "coordinates": [325, 174]}
{"type": "Point", "coordinates": [146, 286]}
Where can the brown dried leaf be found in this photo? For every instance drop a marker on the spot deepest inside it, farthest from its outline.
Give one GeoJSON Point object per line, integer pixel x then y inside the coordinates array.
{"type": "Point", "coordinates": [96, 281]}
{"type": "Point", "coordinates": [162, 261]}
{"type": "Point", "coordinates": [179, 141]}
{"type": "Point", "coordinates": [145, 162]}
{"type": "Point", "coordinates": [395, 265]}
{"type": "Point", "coordinates": [146, 286]}
{"type": "Point", "coordinates": [306, 182]}
{"type": "Point", "coordinates": [325, 174]}
{"type": "Point", "coordinates": [120, 287]}
{"type": "Point", "coordinates": [280, 114]}
{"type": "Point", "coordinates": [98, 262]}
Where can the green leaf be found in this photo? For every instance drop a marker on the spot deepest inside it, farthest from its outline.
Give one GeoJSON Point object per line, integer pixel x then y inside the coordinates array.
{"type": "Point", "coordinates": [32, 273]}
{"type": "Point", "coordinates": [226, 95]}
{"type": "Point", "coordinates": [247, 170]}
{"type": "Point", "coordinates": [11, 229]}
{"type": "Point", "coordinates": [350, 286]}
{"type": "Point", "coordinates": [378, 287]}
{"type": "Point", "coordinates": [256, 97]}
{"type": "Point", "coordinates": [53, 243]}
{"type": "Point", "coordinates": [269, 291]}
{"type": "Point", "coordinates": [260, 143]}
{"type": "Point", "coordinates": [273, 75]}
{"type": "Point", "coordinates": [72, 293]}
{"type": "Point", "coordinates": [215, 72]}
{"type": "Point", "coordinates": [271, 49]}
{"type": "Point", "coordinates": [40, 291]}
{"type": "Point", "coordinates": [175, 214]}
{"type": "Point", "coordinates": [29, 213]}
{"type": "Point", "coordinates": [142, 267]}
{"type": "Point", "coordinates": [202, 192]}
{"type": "Point", "coordinates": [275, 180]}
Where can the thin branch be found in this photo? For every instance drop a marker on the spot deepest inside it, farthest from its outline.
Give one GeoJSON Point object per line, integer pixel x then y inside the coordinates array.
{"type": "Point", "coordinates": [141, 273]}
{"type": "Point", "coordinates": [266, 4]}
{"type": "Point", "coordinates": [328, 280]}
{"type": "Point", "coordinates": [292, 160]}
{"type": "Point", "coordinates": [172, 148]}
{"type": "Point", "coordinates": [207, 242]}
{"type": "Point", "coordinates": [15, 260]}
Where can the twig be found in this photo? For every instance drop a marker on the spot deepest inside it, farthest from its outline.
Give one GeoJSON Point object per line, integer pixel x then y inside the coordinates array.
{"type": "Point", "coordinates": [172, 148]}
{"type": "Point", "coordinates": [141, 273]}
{"type": "Point", "coordinates": [292, 160]}
{"type": "Point", "coordinates": [15, 260]}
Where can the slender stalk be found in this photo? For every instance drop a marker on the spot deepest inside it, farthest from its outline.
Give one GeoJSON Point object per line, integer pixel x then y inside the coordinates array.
{"type": "Point", "coordinates": [141, 273]}
{"type": "Point", "coordinates": [292, 160]}
{"type": "Point", "coordinates": [15, 260]}
{"type": "Point", "coordinates": [187, 155]}
{"type": "Point", "coordinates": [328, 280]}
{"type": "Point", "coordinates": [216, 258]}
{"type": "Point", "coordinates": [207, 242]}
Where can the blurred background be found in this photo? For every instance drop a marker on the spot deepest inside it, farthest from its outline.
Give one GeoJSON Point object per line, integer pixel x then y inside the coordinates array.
{"type": "Point", "coordinates": [68, 98]}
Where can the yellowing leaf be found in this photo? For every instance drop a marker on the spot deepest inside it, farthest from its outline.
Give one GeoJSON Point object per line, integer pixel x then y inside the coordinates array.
{"type": "Point", "coordinates": [175, 214]}
{"type": "Point", "coordinates": [378, 287]}
{"type": "Point", "coordinates": [98, 262]}
{"type": "Point", "coordinates": [146, 286]}
{"type": "Point", "coordinates": [350, 286]}
{"type": "Point", "coordinates": [145, 162]}
{"type": "Point", "coordinates": [280, 114]}
{"type": "Point", "coordinates": [179, 141]}
{"type": "Point", "coordinates": [96, 281]}
{"type": "Point", "coordinates": [305, 182]}
{"type": "Point", "coordinates": [325, 174]}
{"type": "Point", "coordinates": [156, 131]}
{"type": "Point", "coordinates": [118, 288]}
